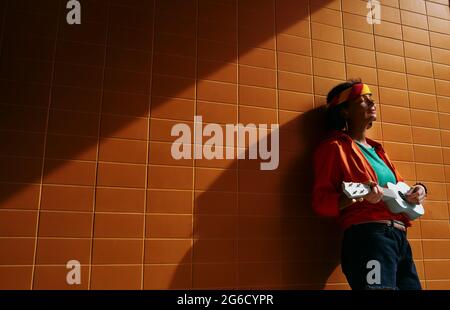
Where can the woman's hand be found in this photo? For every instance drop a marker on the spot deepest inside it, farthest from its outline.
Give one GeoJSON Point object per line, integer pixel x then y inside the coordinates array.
{"type": "Point", "coordinates": [376, 194]}
{"type": "Point", "coordinates": [416, 195]}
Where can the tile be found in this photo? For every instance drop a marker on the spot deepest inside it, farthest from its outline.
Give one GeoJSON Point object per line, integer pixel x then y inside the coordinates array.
{"type": "Point", "coordinates": [428, 154]}
{"type": "Point", "coordinates": [437, 210]}
{"type": "Point", "coordinates": [137, 104]}
{"type": "Point", "coordinates": [71, 147]}
{"type": "Point", "coordinates": [258, 57]}
{"type": "Point", "coordinates": [214, 275]}
{"type": "Point", "coordinates": [159, 177]}
{"type": "Point", "coordinates": [437, 269]}
{"type": "Point", "coordinates": [23, 118]}
{"type": "Point", "coordinates": [295, 82]}
{"type": "Point", "coordinates": [424, 119]}
{"type": "Point", "coordinates": [356, 22]}
{"type": "Point", "coordinates": [414, 19]}
{"type": "Point", "coordinates": [328, 50]}
{"type": "Point", "coordinates": [441, 56]}
{"type": "Point", "coordinates": [179, 66]}
{"type": "Point", "coordinates": [394, 97]}
{"type": "Point", "coordinates": [389, 46]}
{"type": "Point", "coordinates": [17, 251]}
{"type": "Point", "coordinates": [215, 203]}
{"type": "Point", "coordinates": [294, 101]}
{"type": "Point", "coordinates": [444, 120]}
{"type": "Point", "coordinates": [15, 277]}
{"type": "Point", "coordinates": [415, 35]}
{"type": "Point", "coordinates": [168, 276]}
{"type": "Point", "coordinates": [116, 126]}
{"type": "Point", "coordinates": [421, 84]}
{"type": "Point", "coordinates": [430, 172]}
{"type": "Point", "coordinates": [359, 39]}
{"type": "Point", "coordinates": [18, 223]}
{"type": "Point", "coordinates": [327, 33]}
{"type": "Point", "coordinates": [217, 71]}
{"type": "Point", "coordinates": [119, 200]}
{"type": "Point", "coordinates": [417, 51]}
{"type": "Point", "coordinates": [360, 56]}
{"type": "Point", "coordinates": [443, 88]}
{"type": "Point", "coordinates": [418, 67]}
{"type": "Point", "coordinates": [439, 40]}
{"type": "Point", "coordinates": [438, 10]}
{"type": "Point", "coordinates": [123, 150]}
{"type": "Point", "coordinates": [293, 44]}
{"type": "Point", "coordinates": [397, 133]}
{"type": "Point", "coordinates": [169, 226]}
{"type": "Point", "coordinates": [16, 169]}
{"type": "Point", "coordinates": [441, 72]}
{"type": "Point", "coordinates": [368, 75]}
{"type": "Point", "coordinates": [210, 50]}
{"type": "Point", "coordinates": [26, 197]}
{"type": "Point", "coordinates": [69, 172]}
{"type": "Point", "coordinates": [392, 79]}
{"type": "Point", "coordinates": [137, 61]}
{"type": "Point", "coordinates": [427, 136]}
{"type": "Point", "coordinates": [121, 175]}
{"type": "Point", "coordinates": [354, 6]}
{"type": "Point", "coordinates": [259, 273]}
{"type": "Point", "coordinates": [257, 76]}
{"type": "Point", "coordinates": [329, 69]}
{"type": "Point", "coordinates": [116, 277]}
{"type": "Point", "coordinates": [214, 251]}
{"type": "Point", "coordinates": [248, 95]}
{"type": "Point", "coordinates": [54, 278]}
{"type": "Point", "coordinates": [422, 101]}
{"type": "Point", "coordinates": [65, 224]}
{"type": "Point", "coordinates": [168, 251]}
{"type": "Point", "coordinates": [387, 29]}
{"type": "Point", "coordinates": [390, 62]}
{"type": "Point", "coordinates": [417, 6]}
{"type": "Point", "coordinates": [171, 86]}
{"type": "Point", "coordinates": [22, 144]}
{"type": "Point", "coordinates": [67, 198]}
{"type": "Point", "coordinates": [294, 63]}
{"type": "Point", "coordinates": [117, 251]}
{"type": "Point", "coordinates": [438, 25]}
{"type": "Point", "coordinates": [67, 250]}
{"type": "Point", "coordinates": [217, 92]}
{"type": "Point", "coordinates": [215, 179]}
{"type": "Point", "coordinates": [399, 151]}
{"type": "Point", "coordinates": [117, 225]}
{"type": "Point", "coordinates": [443, 104]}
{"type": "Point", "coordinates": [326, 16]}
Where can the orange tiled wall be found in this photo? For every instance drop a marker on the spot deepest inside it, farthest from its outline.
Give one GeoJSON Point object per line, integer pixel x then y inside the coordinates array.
{"type": "Point", "coordinates": [86, 113]}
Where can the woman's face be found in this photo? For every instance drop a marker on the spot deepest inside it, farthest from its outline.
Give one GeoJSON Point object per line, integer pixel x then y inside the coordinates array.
{"type": "Point", "coordinates": [362, 110]}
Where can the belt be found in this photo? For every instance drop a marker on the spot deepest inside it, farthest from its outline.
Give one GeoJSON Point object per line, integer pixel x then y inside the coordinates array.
{"type": "Point", "coordinates": [396, 224]}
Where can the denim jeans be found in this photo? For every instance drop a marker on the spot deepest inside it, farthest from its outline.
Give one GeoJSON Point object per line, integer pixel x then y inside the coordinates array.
{"type": "Point", "coordinates": [378, 256]}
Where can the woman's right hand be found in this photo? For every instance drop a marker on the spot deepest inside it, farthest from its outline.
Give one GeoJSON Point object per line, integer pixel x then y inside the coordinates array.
{"type": "Point", "coordinates": [376, 193]}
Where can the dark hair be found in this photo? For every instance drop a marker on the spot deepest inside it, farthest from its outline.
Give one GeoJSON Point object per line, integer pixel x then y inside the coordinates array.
{"type": "Point", "coordinates": [334, 116]}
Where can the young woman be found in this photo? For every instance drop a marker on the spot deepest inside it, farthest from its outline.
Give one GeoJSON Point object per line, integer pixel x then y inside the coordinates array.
{"type": "Point", "coordinates": [375, 251]}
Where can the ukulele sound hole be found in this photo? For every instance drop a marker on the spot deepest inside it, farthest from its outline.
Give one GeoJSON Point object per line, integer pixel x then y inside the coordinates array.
{"type": "Point", "coordinates": [402, 195]}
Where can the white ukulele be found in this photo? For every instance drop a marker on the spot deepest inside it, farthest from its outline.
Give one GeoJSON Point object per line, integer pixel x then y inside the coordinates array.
{"type": "Point", "coordinates": [394, 197]}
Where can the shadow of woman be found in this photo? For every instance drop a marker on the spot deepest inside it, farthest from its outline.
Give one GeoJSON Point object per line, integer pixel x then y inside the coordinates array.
{"type": "Point", "coordinates": [264, 235]}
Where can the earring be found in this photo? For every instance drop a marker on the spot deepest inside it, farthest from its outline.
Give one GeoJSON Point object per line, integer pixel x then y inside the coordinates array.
{"type": "Point", "coordinates": [346, 126]}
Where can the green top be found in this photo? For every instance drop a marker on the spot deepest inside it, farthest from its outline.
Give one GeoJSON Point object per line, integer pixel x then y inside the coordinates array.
{"type": "Point", "coordinates": [383, 172]}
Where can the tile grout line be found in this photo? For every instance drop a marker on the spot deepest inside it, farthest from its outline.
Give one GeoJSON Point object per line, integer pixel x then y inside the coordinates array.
{"type": "Point", "coordinates": [194, 146]}
{"type": "Point", "coordinates": [412, 141]}
{"type": "Point", "coordinates": [238, 105]}
{"type": "Point", "coordinates": [147, 157]}
{"type": "Point", "coordinates": [41, 185]}
{"type": "Point", "coordinates": [277, 96]}
{"type": "Point", "coordinates": [341, 14]}
{"type": "Point", "coordinates": [99, 139]}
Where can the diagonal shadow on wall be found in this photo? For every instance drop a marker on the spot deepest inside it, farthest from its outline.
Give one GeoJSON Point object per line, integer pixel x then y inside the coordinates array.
{"type": "Point", "coordinates": [297, 248]}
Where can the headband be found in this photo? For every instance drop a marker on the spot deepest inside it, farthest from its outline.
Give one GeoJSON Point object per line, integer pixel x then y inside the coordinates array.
{"type": "Point", "coordinates": [349, 94]}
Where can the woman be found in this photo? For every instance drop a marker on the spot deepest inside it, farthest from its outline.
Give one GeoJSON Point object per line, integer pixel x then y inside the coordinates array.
{"type": "Point", "coordinates": [375, 252]}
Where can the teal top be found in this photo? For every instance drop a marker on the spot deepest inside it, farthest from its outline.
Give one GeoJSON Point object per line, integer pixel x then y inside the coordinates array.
{"type": "Point", "coordinates": [383, 172]}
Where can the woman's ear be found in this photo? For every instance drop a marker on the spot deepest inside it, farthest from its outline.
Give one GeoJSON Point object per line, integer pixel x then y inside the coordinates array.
{"type": "Point", "coordinates": [369, 125]}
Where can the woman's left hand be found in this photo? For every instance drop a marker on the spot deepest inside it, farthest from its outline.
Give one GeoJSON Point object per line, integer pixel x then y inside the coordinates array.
{"type": "Point", "coordinates": [416, 194]}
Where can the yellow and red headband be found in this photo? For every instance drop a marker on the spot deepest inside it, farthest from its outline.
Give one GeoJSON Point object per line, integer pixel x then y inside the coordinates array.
{"type": "Point", "coordinates": [349, 94]}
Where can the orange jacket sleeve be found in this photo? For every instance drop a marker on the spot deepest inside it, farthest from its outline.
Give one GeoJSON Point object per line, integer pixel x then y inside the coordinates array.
{"type": "Point", "coordinates": [327, 179]}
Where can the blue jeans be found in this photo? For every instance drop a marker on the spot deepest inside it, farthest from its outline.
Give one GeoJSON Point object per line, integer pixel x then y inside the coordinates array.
{"type": "Point", "coordinates": [378, 256]}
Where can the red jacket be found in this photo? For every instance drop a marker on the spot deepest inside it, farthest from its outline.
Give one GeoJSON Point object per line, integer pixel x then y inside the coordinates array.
{"type": "Point", "coordinates": [339, 159]}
